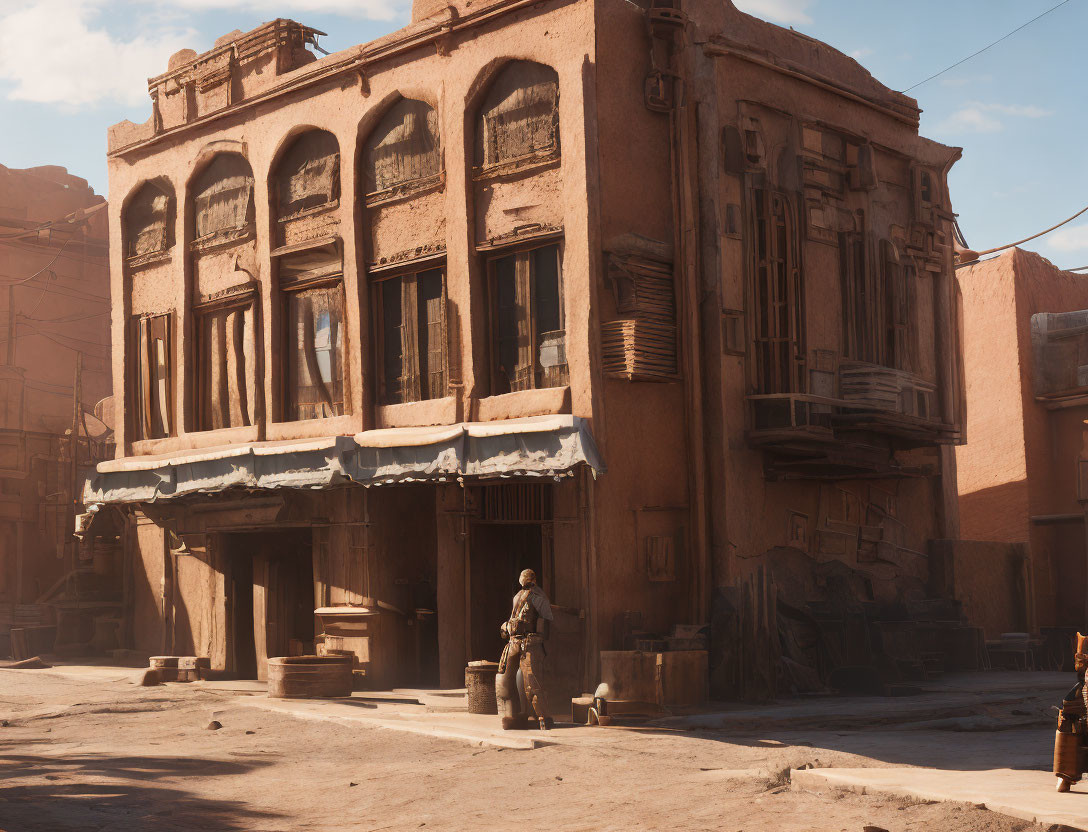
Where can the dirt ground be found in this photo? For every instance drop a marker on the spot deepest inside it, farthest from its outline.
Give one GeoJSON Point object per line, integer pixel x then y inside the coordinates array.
{"type": "Point", "coordinates": [104, 754]}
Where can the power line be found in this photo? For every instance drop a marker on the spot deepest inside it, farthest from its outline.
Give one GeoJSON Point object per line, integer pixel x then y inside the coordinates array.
{"type": "Point", "coordinates": [64, 320]}
{"type": "Point", "coordinates": [36, 331]}
{"type": "Point", "coordinates": [45, 268]}
{"type": "Point", "coordinates": [1033, 236]}
{"type": "Point", "coordinates": [987, 46]}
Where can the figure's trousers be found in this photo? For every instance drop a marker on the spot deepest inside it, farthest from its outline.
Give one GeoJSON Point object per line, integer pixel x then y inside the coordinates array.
{"type": "Point", "coordinates": [519, 688]}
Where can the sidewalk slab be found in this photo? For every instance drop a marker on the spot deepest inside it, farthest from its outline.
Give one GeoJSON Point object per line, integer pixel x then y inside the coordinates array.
{"type": "Point", "coordinates": [465, 727]}
{"type": "Point", "coordinates": [1024, 794]}
{"type": "Point", "coordinates": [954, 696]}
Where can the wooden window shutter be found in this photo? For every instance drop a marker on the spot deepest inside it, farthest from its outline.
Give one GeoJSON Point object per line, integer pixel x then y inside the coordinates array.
{"type": "Point", "coordinates": [144, 370]}
{"type": "Point", "coordinates": [392, 340]}
{"type": "Point", "coordinates": [432, 333]}
{"type": "Point", "coordinates": [526, 336]}
{"type": "Point", "coordinates": [234, 352]}
{"type": "Point", "coordinates": [409, 338]}
{"type": "Point", "coordinates": [163, 382]}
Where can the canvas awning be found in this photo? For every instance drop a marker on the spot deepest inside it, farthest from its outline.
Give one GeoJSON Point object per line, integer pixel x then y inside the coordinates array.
{"type": "Point", "coordinates": [539, 446]}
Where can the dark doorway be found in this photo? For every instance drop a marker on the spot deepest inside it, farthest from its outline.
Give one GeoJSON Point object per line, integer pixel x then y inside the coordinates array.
{"type": "Point", "coordinates": [497, 553]}
{"type": "Point", "coordinates": [242, 647]}
{"type": "Point", "coordinates": [271, 595]}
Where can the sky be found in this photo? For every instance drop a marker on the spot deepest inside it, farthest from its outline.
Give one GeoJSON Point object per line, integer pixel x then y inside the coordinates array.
{"type": "Point", "coordinates": [71, 68]}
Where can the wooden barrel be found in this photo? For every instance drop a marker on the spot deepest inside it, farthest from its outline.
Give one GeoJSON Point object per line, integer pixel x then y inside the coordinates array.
{"type": "Point", "coordinates": [309, 677]}
{"type": "Point", "coordinates": [480, 687]}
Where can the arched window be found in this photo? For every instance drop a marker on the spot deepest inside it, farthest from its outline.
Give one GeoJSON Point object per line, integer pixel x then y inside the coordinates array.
{"type": "Point", "coordinates": [223, 199]}
{"type": "Point", "coordinates": [310, 281]}
{"type": "Point", "coordinates": [308, 176]}
{"type": "Point", "coordinates": [405, 147]}
{"type": "Point", "coordinates": [519, 118]}
{"type": "Point", "coordinates": [148, 220]}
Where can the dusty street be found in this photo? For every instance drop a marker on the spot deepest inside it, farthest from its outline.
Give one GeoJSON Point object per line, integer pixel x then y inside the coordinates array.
{"type": "Point", "coordinates": [96, 752]}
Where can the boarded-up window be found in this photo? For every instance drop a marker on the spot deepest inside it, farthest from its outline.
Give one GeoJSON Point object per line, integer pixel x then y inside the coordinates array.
{"type": "Point", "coordinates": [308, 175]}
{"type": "Point", "coordinates": [778, 320]}
{"type": "Point", "coordinates": [152, 368]}
{"type": "Point", "coordinates": [226, 352]}
{"type": "Point", "coordinates": [641, 344]}
{"type": "Point", "coordinates": [529, 343]}
{"type": "Point", "coordinates": [148, 221]}
{"type": "Point", "coordinates": [313, 320]}
{"type": "Point", "coordinates": [405, 147]}
{"type": "Point", "coordinates": [412, 327]}
{"type": "Point", "coordinates": [223, 198]}
{"type": "Point", "coordinates": [520, 115]}
{"type": "Point", "coordinates": [899, 308]}
{"type": "Point", "coordinates": [877, 303]}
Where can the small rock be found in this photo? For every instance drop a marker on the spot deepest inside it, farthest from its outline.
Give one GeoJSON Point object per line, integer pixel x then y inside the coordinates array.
{"type": "Point", "coordinates": [873, 829]}
{"type": "Point", "coordinates": [352, 784]}
{"type": "Point", "coordinates": [4, 723]}
{"type": "Point", "coordinates": [251, 732]}
{"type": "Point", "coordinates": [557, 777]}
{"type": "Point", "coordinates": [214, 725]}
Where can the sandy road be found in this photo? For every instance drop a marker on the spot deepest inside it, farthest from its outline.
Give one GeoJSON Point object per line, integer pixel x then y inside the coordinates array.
{"type": "Point", "coordinates": [102, 754]}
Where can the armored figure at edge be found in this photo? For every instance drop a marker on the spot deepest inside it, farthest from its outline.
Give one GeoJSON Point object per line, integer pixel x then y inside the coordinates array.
{"type": "Point", "coordinates": [519, 689]}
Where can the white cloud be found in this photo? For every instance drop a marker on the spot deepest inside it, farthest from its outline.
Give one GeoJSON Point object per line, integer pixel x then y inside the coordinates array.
{"type": "Point", "coordinates": [1070, 238]}
{"type": "Point", "coordinates": [64, 52]}
{"type": "Point", "coordinates": [976, 117]}
{"type": "Point", "coordinates": [780, 11]}
{"type": "Point", "coordinates": [860, 54]}
{"type": "Point", "coordinates": [372, 9]}
{"type": "Point", "coordinates": [52, 52]}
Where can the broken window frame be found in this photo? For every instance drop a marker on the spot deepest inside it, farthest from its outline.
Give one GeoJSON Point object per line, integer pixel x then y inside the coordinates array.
{"type": "Point", "coordinates": [148, 214]}
{"type": "Point", "coordinates": [898, 291]}
{"type": "Point", "coordinates": [152, 369]}
{"type": "Point", "coordinates": [327, 278]}
{"type": "Point", "coordinates": [777, 361]}
{"type": "Point", "coordinates": [209, 191]}
{"type": "Point", "coordinates": [416, 364]}
{"type": "Point", "coordinates": [204, 315]}
{"type": "Point", "coordinates": [421, 166]}
{"type": "Point", "coordinates": [878, 302]}
{"type": "Point", "coordinates": [295, 162]}
{"type": "Point", "coordinates": [494, 121]}
{"type": "Point", "coordinates": [528, 339]}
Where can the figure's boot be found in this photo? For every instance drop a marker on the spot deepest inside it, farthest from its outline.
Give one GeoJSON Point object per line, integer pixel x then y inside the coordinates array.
{"type": "Point", "coordinates": [515, 723]}
{"type": "Point", "coordinates": [546, 723]}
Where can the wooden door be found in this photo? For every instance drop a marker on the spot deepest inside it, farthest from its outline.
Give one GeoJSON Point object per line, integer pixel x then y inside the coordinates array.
{"type": "Point", "coordinates": [271, 610]}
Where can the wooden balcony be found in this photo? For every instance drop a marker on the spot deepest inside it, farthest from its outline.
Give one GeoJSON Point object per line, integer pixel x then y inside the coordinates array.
{"type": "Point", "coordinates": [811, 436]}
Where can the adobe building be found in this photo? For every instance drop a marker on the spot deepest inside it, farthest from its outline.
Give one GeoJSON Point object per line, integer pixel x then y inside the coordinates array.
{"type": "Point", "coordinates": [54, 364]}
{"type": "Point", "coordinates": [657, 300]}
{"type": "Point", "coordinates": [1020, 476]}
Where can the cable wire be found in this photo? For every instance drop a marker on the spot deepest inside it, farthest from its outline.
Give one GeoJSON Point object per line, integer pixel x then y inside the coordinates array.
{"type": "Point", "coordinates": [1033, 236]}
{"type": "Point", "coordinates": [39, 271]}
{"type": "Point", "coordinates": [988, 46]}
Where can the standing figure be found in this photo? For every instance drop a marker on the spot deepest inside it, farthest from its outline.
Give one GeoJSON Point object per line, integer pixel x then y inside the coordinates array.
{"type": "Point", "coordinates": [1071, 739]}
{"type": "Point", "coordinates": [519, 689]}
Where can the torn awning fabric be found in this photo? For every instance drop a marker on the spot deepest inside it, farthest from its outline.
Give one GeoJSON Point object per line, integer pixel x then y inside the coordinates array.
{"type": "Point", "coordinates": [539, 446]}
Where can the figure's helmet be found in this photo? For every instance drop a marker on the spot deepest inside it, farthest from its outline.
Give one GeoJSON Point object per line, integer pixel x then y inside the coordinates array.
{"type": "Point", "coordinates": [528, 576]}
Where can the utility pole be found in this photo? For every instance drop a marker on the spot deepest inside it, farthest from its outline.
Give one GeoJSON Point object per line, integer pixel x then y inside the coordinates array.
{"type": "Point", "coordinates": [11, 327]}
{"type": "Point", "coordinates": [77, 406]}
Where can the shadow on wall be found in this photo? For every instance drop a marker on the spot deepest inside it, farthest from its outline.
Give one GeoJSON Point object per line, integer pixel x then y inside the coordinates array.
{"type": "Point", "coordinates": [996, 513]}
{"type": "Point", "coordinates": [93, 791]}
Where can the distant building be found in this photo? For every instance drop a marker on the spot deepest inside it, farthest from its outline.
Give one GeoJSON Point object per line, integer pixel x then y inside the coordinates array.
{"type": "Point", "coordinates": [54, 308]}
{"type": "Point", "coordinates": [467, 262]}
{"type": "Point", "coordinates": [1021, 478]}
